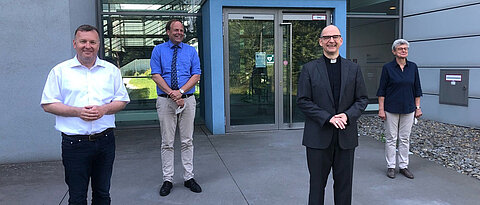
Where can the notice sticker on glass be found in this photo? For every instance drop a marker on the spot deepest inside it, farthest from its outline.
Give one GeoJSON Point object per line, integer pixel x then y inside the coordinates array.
{"type": "Point", "coordinates": [260, 59]}
{"type": "Point", "coordinates": [270, 59]}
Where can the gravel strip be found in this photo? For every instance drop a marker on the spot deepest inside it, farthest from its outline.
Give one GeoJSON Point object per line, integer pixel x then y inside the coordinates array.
{"type": "Point", "coordinates": [452, 146]}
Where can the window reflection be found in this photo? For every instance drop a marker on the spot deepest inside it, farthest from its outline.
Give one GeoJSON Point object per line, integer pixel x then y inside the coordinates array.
{"type": "Point", "coordinates": [251, 79]}
{"type": "Point", "coordinates": [128, 43]}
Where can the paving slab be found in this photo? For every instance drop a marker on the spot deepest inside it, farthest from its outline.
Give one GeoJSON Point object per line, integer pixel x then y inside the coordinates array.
{"type": "Point", "coordinates": [267, 167]}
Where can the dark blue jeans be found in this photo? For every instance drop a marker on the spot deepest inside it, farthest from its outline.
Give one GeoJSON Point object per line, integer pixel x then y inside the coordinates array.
{"type": "Point", "coordinates": [86, 161]}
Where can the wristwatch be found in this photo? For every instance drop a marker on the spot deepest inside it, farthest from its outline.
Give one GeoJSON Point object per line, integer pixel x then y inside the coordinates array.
{"type": "Point", "coordinates": [181, 91]}
{"type": "Point", "coordinates": [417, 107]}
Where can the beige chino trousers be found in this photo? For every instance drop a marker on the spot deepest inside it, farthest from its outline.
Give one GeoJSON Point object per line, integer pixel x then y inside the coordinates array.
{"type": "Point", "coordinates": [397, 125]}
{"type": "Point", "coordinates": [169, 122]}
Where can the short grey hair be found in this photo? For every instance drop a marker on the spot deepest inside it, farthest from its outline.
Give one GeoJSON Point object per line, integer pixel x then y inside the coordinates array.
{"type": "Point", "coordinates": [400, 42]}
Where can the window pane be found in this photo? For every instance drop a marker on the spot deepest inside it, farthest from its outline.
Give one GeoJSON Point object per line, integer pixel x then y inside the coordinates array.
{"type": "Point", "coordinates": [251, 78]}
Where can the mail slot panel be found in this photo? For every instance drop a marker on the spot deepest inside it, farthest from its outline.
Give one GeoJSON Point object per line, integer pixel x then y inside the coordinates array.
{"type": "Point", "coordinates": [454, 87]}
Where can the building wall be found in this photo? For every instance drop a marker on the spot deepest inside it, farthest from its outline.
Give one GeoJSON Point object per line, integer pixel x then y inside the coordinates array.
{"type": "Point", "coordinates": [36, 35]}
{"type": "Point", "coordinates": [445, 35]}
{"type": "Point", "coordinates": [213, 47]}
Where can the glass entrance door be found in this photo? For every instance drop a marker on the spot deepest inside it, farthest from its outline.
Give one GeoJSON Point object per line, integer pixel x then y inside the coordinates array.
{"type": "Point", "coordinates": [299, 46]}
{"type": "Point", "coordinates": [264, 53]}
{"type": "Point", "coordinates": [251, 71]}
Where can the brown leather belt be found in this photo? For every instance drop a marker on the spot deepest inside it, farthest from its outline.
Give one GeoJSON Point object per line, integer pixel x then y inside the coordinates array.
{"type": "Point", "coordinates": [91, 137]}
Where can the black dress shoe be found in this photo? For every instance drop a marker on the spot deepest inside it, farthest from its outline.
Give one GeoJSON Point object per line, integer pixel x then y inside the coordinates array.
{"type": "Point", "coordinates": [166, 187]}
{"type": "Point", "coordinates": [391, 173]}
{"type": "Point", "coordinates": [192, 184]}
{"type": "Point", "coordinates": [406, 173]}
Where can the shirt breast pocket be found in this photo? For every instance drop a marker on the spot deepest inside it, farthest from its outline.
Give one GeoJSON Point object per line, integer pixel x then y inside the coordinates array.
{"type": "Point", "coordinates": [184, 63]}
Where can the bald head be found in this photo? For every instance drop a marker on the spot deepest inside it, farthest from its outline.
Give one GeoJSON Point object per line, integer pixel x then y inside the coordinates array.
{"type": "Point", "coordinates": [331, 29]}
{"type": "Point", "coordinates": [331, 40]}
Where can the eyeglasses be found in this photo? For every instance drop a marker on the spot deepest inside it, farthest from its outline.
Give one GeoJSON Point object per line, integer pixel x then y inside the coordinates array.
{"type": "Point", "coordinates": [402, 48]}
{"type": "Point", "coordinates": [335, 37]}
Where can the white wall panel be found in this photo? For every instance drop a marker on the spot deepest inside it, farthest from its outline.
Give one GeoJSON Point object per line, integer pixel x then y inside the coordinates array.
{"type": "Point", "coordinates": [418, 6]}
{"type": "Point", "coordinates": [448, 23]}
{"type": "Point", "coordinates": [474, 83]}
{"type": "Point", "coordinates": [458, 115]}
{"type": "Point", "coordinates": [449, 52]}
{"type": "Point", "coordinates": [430, 80]}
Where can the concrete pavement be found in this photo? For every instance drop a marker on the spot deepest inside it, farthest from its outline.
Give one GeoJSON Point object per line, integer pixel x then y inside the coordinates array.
{"type": "Point", "coordinates": [242, 168]}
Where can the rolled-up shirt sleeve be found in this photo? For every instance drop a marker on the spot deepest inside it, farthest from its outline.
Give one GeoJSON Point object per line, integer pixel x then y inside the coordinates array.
{"type": "Point", "coordinates": [120, 92]}
{"type": "Point", "coordinates": [195, 69]}
{"type": "Point", "coordinates": [155, 61]}
{"type": "Point", "coordinates": [51, 91]}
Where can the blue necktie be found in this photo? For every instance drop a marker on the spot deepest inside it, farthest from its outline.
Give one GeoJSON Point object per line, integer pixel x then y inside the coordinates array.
{"type": "Point", "coordinates": [174, 69]}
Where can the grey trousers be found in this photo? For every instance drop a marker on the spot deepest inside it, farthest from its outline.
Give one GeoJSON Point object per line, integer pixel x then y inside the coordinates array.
{"type": "Point", "coordinates": [169, 122]}
{"type": "Point", "coordinates": [397, 125]}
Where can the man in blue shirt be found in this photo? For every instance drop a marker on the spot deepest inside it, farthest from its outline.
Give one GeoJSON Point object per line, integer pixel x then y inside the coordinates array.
{"type": "Point", "coordinates": [176, 69]}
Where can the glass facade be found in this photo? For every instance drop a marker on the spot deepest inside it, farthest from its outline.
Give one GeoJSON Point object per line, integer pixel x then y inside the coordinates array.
{"type": "Point", "coordinates": [131, 29]}
{"type": "Point", "coordinates": [372, 26]}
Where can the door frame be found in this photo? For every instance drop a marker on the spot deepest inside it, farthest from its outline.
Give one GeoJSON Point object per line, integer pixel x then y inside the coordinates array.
{"type": "Point", "coordinates": [285, 123]}
{"type": "Point", "coordinates": [226, 67]}
{"type": "Point", "coordinates": [277, 13]}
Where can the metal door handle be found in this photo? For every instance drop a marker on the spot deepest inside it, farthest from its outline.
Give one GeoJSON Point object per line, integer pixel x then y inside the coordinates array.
{"type": "Point", "coordinates": [290, 86]}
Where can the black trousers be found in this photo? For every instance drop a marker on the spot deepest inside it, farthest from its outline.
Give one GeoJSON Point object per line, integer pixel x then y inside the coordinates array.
{"type": "Point", "coordinates": [320, 161]}
{"type": "Point", "coordinates": [86, 161]}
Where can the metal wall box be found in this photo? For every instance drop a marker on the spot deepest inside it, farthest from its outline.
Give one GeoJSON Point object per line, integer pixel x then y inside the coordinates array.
{"type": "Point", "coordinates": [454, 87]}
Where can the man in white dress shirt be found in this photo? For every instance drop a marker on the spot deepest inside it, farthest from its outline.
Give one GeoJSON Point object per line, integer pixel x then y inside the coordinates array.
{"type": "Point", "coordinates": [84, 93]}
